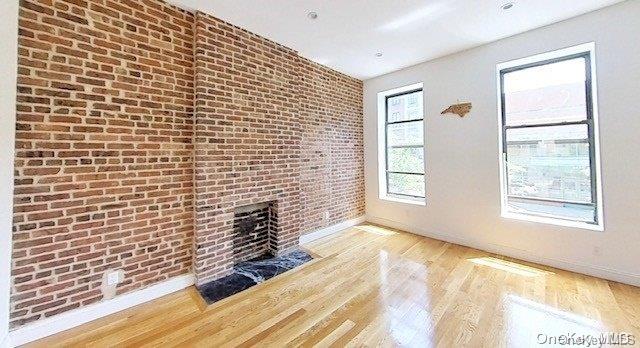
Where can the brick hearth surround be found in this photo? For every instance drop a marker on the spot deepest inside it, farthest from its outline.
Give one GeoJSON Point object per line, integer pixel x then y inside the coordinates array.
{"type": "Point", "coordinates": [247, 138]}
{"type": "Point", "coordinates": [109, 146]}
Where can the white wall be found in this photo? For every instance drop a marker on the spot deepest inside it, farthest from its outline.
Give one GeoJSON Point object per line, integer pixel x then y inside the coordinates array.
{"type": "Point", "coordinates": [463, 189]}
{"type": "Point", "coordinates": [8, 69]}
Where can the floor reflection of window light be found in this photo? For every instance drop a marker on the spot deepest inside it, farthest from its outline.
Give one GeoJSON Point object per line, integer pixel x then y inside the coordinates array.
{"type": "Point", "coordinates": [375, 230]}
{"type": "Point", "coordinates": [403, 324]}
{"type": "Point", "coordinates": [509, 266]}
{"type": "Point", "coordinates": [560, 317]}
{"type": "Point", "coordinates": [526, 320]}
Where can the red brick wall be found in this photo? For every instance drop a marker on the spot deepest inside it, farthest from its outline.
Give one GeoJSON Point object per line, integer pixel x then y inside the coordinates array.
{"type": "Point", "coordinates": [332, 175]}
{"type": "Point", "coordinates": [247, 138]}
{"type": "Point", "coordinates": [104, 159]}
{"type": "Point", "coordinates": [108, 145]}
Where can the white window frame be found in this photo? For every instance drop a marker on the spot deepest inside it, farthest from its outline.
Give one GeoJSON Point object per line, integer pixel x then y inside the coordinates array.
{"type": "Point", "coordinates": [382, 144]}
{"type": "Point", "coordinates": [588, 48]}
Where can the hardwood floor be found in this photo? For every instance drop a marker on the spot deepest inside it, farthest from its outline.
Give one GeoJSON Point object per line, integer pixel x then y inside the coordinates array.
{"type": "Point", "coordinates": [374, 286]}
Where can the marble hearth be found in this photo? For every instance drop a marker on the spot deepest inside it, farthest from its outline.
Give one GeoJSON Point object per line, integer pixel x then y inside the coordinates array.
{"type": "Point", "coordinates": [252, 272]}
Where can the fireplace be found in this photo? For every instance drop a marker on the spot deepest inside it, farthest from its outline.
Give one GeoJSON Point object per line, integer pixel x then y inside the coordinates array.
{"type": "Point", "coordinates": [255, 256]}
{"type": "Point", "coordinates": [254, 231]}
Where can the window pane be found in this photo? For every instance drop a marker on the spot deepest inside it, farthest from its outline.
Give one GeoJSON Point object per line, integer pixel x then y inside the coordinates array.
{"type": "Point", "coordinates": [402, 134]}
{"type": "Point", "coordinates": [406, 159]}
{"type": "Point", "coordinates": [549, 163]}
{"type": "Point", "coordinates": [546, 94]}
{"type": "Point", "coordinates": [404, 107]}
{"type": "Point", "coordinates": [406, 184]}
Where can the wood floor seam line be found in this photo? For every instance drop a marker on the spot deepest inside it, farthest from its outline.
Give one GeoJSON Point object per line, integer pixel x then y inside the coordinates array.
{"type": "Point", "coordinates": [376, 286]}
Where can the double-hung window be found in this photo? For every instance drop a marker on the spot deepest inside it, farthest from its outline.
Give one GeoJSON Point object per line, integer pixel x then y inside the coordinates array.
{"type": "Point", "coordinates": [550, 165]}
{"type": "Point", "coordinates": [403, 140]}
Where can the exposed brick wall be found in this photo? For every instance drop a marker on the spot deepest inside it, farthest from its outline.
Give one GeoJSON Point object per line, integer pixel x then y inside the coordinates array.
{"type": "Point", "coordinates": [140, 127]}
{"type": "Point", "coordinates": [332, 175]}
{"type": "Point", "coordinates": [104, 159]}
{"type": "Point", "coordinates": [247, 138]}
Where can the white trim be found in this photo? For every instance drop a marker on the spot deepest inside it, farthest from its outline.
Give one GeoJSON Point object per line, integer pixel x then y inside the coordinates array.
{"type": "Point", "coordinates": [551, 221]}
{"type": "Point", "coordinates": [9, 67]}
{"type": "Point", "coordinates": [595, 271]}
{"type": "Point", "coordinates": [309, 237]}
{"type": "Point", "coordinates": [416, 201]}
{"type": "Point", "coordinates": [567, 51]}
{"type": "Point", "coordinates": [67, 320]}
{"type": "Point", "coordinates": [505, 213]}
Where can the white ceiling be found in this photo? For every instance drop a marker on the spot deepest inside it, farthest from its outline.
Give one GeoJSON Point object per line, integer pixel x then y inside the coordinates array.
{"type": "Point", "coordinates": [348, 33]}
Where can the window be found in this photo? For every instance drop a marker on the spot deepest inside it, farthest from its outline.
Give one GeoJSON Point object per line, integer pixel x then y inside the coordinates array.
{"type": "Point", "coordinates": [550, 164]}
{"type": "Point", "coordinates": [402, 144]}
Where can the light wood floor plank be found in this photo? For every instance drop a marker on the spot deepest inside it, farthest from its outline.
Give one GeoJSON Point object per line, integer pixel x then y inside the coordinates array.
{"type": "Point", "coordinates": [375, 286]}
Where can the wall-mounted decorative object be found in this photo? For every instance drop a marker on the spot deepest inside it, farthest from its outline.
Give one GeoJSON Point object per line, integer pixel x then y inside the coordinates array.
{"type": "Point", "coordinates": [459, 109]}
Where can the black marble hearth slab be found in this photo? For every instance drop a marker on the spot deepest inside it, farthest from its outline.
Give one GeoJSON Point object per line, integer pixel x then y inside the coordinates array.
{"type": "Point", "coordinates": [249, 273]}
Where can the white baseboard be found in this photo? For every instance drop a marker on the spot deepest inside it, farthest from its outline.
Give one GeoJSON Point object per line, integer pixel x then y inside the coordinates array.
{"type": "Point", "coordinates": [309, 237]}
{"type": "Point", "coordinates": [67, 320]}
{"type": "Point", "coordinates": [4, 342]}
{"type": "Point", "coordinates": [596, 271]}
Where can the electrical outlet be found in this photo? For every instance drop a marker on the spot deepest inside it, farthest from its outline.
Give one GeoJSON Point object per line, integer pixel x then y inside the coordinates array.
{"type": "Point", "coordinates": [110, 280]}
{"type": "Point", "coordinates": [113, 278]}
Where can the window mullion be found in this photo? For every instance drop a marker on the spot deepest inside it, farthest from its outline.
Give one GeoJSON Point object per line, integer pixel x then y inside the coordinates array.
{"type": "Point", "coordinates": [554, 124]}
{"type": "Point", "coordinates": [406, 121]}
{"type": "Point", "coordinates": [407, 173]}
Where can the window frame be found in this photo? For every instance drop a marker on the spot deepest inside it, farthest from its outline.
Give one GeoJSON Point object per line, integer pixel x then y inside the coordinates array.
{"type": "Point", "coordinates": [383, 155]}
{"type": "Point", "coordinates": [587, 52]}
{"type": "Point", "coordinates": [386, 147]}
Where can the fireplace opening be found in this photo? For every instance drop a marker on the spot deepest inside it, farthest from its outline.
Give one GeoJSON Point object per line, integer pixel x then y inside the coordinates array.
{"type": "Point", "coordinates": [254, 231]}
{"type": "Point", "coordinates": [255, 256]}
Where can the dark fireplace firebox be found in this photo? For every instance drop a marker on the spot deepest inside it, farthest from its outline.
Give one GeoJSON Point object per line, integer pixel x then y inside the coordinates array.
{"type": "Point", "coordinates": [253, 226]}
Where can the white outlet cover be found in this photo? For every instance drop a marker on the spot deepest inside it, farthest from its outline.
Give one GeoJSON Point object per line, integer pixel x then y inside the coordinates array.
{"type": "Point", "coordinates": [113, 278]}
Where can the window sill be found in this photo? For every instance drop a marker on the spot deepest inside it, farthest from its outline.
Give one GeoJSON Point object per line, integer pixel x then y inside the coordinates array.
{"type": "Point", "coordinates": [417, 201]}
{"type": "Point", "coordinates": [552, 221]}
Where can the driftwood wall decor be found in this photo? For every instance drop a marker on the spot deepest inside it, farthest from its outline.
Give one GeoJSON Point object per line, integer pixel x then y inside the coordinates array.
{"type": "Point", "coordinates": [459, 109]}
